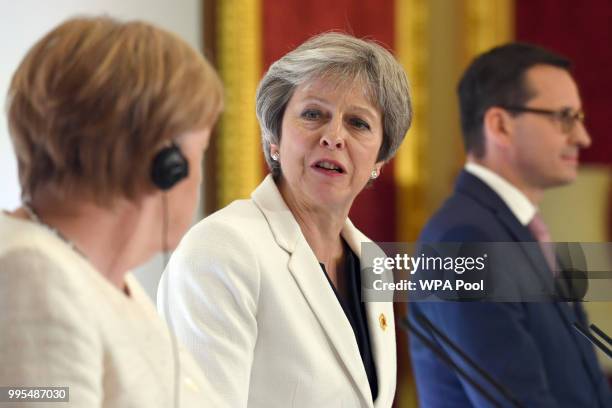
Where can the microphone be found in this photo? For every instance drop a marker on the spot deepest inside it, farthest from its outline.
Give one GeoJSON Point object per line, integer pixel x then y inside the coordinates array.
{"type": "Point", "coordinates": [443, 355]}
{"type": "Point", "coordinates": [601, 333]}
{"type": "Point", "coordinates": [594, 340]}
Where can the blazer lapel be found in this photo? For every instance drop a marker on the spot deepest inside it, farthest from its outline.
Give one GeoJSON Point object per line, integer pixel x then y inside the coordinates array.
{"type": "Point", "coordinates": [530, 248]}
{"type": "Point", "coordinates": [471, 185]}
{"type": "Point", "coordinates": [381, 327]}
{"type": "Point", "coordinates": [567, 314]}
{"type": "Point", "coordinates": [307, 273]}
{"type": "Point", "coordinates": [305, 269]}
{"type": "Point", "coordinates": [481, 192]}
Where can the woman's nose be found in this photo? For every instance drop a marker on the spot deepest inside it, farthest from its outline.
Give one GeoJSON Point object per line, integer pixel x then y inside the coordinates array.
{"type": "Point", "coordinates": [333, 138]}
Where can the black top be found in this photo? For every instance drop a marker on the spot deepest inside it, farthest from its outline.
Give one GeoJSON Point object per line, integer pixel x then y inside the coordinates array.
{"type": "Point", "coordinates": [354, 310]}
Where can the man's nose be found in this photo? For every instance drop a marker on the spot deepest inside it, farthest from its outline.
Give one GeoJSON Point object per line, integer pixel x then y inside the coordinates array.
{"type": "Point", "coordinates": [580, 135]}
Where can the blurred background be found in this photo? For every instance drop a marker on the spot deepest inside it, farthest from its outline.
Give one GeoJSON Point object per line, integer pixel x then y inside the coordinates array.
{"type": "Point", "coordinates": [433, 39]}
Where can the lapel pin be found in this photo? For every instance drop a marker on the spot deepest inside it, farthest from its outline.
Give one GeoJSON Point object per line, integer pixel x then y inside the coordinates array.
{"type": "Point", "coordinates": [383, 321]}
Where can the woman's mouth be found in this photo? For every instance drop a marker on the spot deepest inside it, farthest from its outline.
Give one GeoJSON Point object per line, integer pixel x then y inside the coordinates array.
{"type": "Point", "coordinates": [329, 167]}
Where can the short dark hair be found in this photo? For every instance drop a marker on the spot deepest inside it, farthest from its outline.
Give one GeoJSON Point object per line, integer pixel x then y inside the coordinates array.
{"type": "Point", "coordinates": [497, 78]}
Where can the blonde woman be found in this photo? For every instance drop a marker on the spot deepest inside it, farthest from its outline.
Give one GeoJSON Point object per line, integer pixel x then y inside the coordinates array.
{"type": "Point", "coordinates": [109, 121]}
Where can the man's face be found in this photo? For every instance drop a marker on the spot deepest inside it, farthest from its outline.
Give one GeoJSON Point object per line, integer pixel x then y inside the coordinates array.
{"type": "Point", "coordinates": [544, 155]}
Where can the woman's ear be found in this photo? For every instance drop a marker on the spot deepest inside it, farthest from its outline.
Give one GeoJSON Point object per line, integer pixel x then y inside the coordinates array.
{"type": "Point", "coordinates": [378, 167]}
{"type": "Point", "coordinates": [376, 171]}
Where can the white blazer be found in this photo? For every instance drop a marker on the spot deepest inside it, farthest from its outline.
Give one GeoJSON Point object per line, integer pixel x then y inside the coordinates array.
{"type": "Point", "coordinates": [246, 294]}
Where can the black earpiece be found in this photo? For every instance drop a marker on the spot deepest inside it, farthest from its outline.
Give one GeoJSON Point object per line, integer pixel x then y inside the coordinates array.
{"type": "Point", "coordinates": [169, 167]}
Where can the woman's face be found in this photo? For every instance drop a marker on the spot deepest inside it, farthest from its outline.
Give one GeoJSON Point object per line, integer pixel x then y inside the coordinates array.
{"type": "Point", "coordinates": [330, 138]}
{"type": "Point", "coordinates": [184, 196]}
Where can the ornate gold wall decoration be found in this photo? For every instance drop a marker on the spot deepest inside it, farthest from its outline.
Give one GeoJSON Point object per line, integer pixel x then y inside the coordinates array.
{"type": "Point", "coordinates": [239, 166]}
{"type": "Point", "coordinates": [411, 46]}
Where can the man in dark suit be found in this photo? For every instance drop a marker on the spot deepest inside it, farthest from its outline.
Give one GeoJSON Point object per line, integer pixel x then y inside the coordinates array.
{"type": "Point", "coordinates": [522, 124]}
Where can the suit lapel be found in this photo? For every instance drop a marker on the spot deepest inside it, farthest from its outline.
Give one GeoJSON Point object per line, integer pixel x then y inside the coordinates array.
{"type": "Point", "coordinates": [305, 269]}
{"type": "Point", "coordinates": [471, 185]}
{"type": "Point", "coordinates": [481, 192]}
{"type": "Point", "coordinates": [381, 328]}
{"type": "Point", "coordinates": [530, 248]}
{"type": "Point", "coordinates": [308, 275]}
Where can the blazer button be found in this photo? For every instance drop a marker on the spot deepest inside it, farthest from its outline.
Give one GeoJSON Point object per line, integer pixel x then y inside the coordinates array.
{"type": "Point", "coordinates": [383, 321]}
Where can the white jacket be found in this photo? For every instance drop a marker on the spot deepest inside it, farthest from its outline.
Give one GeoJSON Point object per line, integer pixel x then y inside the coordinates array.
{"type": "Point", "coordinates": [246, 294]}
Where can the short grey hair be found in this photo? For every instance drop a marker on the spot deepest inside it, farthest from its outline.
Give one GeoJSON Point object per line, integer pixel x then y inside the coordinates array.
{"type": "Point", "coordinates": [337, 56]}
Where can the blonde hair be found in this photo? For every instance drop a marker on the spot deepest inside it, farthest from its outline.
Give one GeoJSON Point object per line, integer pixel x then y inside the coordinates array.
{"type": "Point", "coordinates": [95, 99]}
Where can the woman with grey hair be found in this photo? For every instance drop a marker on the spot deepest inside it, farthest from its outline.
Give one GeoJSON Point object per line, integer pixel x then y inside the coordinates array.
{"type": "Point", "coordinates": [266, 292]}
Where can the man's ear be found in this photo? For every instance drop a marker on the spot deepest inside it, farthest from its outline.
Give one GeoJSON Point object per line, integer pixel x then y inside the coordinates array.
{"type": "Point", "coordinates": [498, 126]}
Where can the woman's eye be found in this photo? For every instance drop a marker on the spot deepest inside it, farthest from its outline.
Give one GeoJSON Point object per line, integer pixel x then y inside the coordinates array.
{"type": "Point", "coordinates": [311, 114]}
{"type": "Point", "coordinates": [359, 124]}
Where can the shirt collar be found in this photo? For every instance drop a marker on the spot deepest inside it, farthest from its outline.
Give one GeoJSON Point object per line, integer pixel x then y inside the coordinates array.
{"type": "Point", "coordinates": [518, 202]}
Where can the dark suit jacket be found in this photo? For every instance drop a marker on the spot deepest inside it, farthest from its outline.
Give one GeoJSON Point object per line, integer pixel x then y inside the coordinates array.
{"type": "Point", "coordinates": [530, 347]}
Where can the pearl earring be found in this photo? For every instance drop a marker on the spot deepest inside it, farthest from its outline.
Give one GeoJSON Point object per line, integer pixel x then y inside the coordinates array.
{"type": "Point", "coordinates": [374, 174]}
{"type": "Point", "coordinates": [275, 156]}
